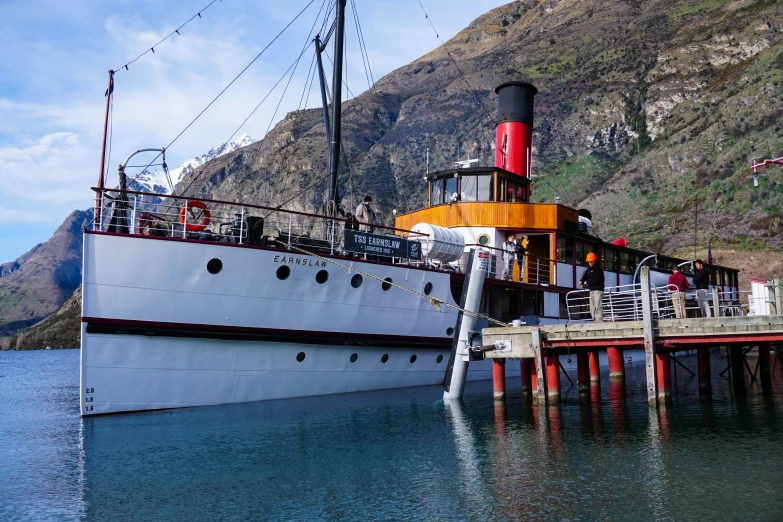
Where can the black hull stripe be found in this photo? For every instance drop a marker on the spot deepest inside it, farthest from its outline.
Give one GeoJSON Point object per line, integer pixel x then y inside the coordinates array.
{"type": "Point", "coordinates": [237, 333]}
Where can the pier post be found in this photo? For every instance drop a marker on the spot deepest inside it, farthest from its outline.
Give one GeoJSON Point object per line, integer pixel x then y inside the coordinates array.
{"type": "Point", "coordinates": [616, 366]}
{"type": "Point", "coordinates": [525, 375]}
{"type": "Point", "coordinates": [766, 376]}
{"type": "Point", "coordinates": [664, 370]}
{"type": "Point", "coordinates": [705, 376]}
{"type": "Point", "coordinates": [533, 376]}
{"type": "Point", "coordinates": [553, 378]}
{"type": "Point", "coordinates": [535, 336]}
{"type": "Point", "coordinates": [583, 374]}
{"type": "Point", "coordinates": [595, 367]}
{"type": "Point", "coordinates": [649, 337]}
{"type": "Point", "coordinates": [738, 370]}
{"type": "Point", "coordinates": [499, 379]}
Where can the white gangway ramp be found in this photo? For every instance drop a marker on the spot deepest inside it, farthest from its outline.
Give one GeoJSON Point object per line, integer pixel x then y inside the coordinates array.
{"type": "Point", "coordinates": [478, 264]}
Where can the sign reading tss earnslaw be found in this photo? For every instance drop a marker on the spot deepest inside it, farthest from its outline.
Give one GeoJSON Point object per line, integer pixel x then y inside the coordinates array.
{"type": "Point", "coordinates": [390, 246]}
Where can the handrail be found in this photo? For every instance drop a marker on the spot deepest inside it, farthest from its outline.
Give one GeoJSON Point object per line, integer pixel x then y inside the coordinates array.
{"type": "Point", "coordinates": [250, 205]}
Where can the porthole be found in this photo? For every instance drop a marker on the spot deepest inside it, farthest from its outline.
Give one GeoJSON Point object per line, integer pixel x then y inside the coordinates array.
{"type": "Point", "coordinates": [386, 283]}
{"type": "Point", "coordinates": [413, 358]}
{"type": "Point", "coordinates": [483, 240]}
{"type": "Point", "coordinates": [354, 357]}
{"type": "Point", "coordinates": [283, 272]}
{"type": "Point", "coordinates": [428, 289]}
{"type": "Point", "coordinates": [357, 280]}
{"type": "Point", "coordinates": [449, 331]}
{"type": "Point", "coordinates": [300, 356]}
{"type": "Point", "coordinates": [384, 358]}
{"type": "Point", "coordinates": [439, 359]}
{"type": "Point", "coordinates": [321, 277]}
{"type": "Point", "coordinates": [214, 266]}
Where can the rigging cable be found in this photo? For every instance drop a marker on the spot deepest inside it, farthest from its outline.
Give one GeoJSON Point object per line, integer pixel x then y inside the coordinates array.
{"type": "Point", "coordinates": [232, 81]}
{"type": "Point", "coordinates": [363, 49]}
{"type": "Point", "coordinates": [175, 31]}
{"type": "Point", "coordinates": [437, 35]}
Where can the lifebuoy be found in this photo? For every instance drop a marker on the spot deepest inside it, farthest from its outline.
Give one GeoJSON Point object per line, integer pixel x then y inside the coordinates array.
{"type": "Point", "coordinates": [145, 224]}
{"type": "Point", "coordinates": [194, 226]}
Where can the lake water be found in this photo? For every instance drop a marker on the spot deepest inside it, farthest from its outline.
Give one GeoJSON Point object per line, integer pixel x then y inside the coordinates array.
{"type": "Point", "coordinates": [393, 455]}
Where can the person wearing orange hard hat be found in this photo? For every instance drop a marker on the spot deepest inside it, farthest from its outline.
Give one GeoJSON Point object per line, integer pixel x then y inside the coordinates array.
{"type": "Point", "coordinates": [593, 279]}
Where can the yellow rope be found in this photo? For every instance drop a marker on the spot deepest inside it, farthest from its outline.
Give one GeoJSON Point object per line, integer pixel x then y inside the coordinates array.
{"type": "Point", "coordinates": [434, 301]}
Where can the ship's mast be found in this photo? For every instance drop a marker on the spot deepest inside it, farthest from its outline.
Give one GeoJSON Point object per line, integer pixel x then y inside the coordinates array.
{"type": "Point", "coordinates": [99, 194]}
{"type": "Point", "coordinates": [337, 81]}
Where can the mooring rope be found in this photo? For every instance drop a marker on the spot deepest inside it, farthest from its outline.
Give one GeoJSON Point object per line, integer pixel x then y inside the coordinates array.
{"type": "Point", "coordinates": [434, 301]}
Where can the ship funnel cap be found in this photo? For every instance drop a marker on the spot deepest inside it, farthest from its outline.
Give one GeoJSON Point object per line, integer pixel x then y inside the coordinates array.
{"type": "Point", "coordinates": [515, 102]}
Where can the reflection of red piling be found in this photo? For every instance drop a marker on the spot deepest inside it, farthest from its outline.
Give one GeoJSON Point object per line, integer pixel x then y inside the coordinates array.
{"type": "Point", "coordinates": [499, 378]}
{"type": "Point", "coordinates": [553, 377]}
{"type": "Point", "coordinates": [664, 373]}
{"type": "Point", "coordinates": [617, 403]}
{"type": "Point", "coordinates": [616, 367]}
{"type": "Point", "coordinates": [705, 376]}
{"type": "Point", "coordinates": [595, 367]}
{"type": "Point", "coordinates": [500, 416]}
{"type": "Point", "coordinates": [525, 375]}
{"type": "Point", "coordinates": [583, 373]}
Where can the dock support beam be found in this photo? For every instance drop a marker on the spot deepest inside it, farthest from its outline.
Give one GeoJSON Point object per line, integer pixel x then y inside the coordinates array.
{"type": "Point", "coordinates": [595, 367]}
{"type": "Point", "coordinates": [499, 379]}
{"type": "Point", "coordinates": [649, 337]}
{"type": "Point", "coordinates": [763, 364]}
{"type": "Point", "coordinates": [583, 374]}
{"type": "Point", "coordinates": [705, 375]}
{"type": "Point", "coordinates": [738, 370]}
{"type": "Point", "coordinates": [664, 369]}
{"type": "Point", "coordinates": [553, 378]}
{"type": "Point", "coordinates": [540, 368]}
{"type": "Point", "coordinates": [616, 366]}
{"type": "Point", "coordinates": [526, 376]}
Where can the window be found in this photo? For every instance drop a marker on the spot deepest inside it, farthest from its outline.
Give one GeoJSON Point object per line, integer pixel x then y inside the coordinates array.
{"type": "Point", "coordinates": [436, 192]}
{"type": "Point", "coordinates": [582, 249]}
{"type": "Point", "coordinates": [450, 188]}
{"type": "Point", "coordinates": [624, 263]}
{"type": "Point", "coordinates": [477, 188]}
{"type": "Point", "coordinates": [565, 249]}
{"type": "Point", "coordinates": [321, 277]}
{"type": "Point", "coordinates": [608, 261]}
{"type": "Point", "coordinates": [214, 266]}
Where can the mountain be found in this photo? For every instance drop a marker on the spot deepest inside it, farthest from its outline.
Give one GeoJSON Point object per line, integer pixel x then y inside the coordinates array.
{"type": "Point", "coordinates": [156, 181]}
{"type": "Point", "coordinates": [649, 113]}
{"type": "Point", "coordinates": [44, 278]}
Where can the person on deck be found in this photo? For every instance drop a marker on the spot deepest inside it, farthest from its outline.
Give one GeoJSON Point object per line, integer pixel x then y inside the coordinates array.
{"type": "Point", "coordinates": [701, 279]}
{"type": "Point", "coordinates": [365, 215]}
{"type": "Point", "coordinates": [509, 253]}
{"type": "Point", "coordinates": [521, 250]}
{"type": "Point", "coordinates": [593, 279]}
{"type": "Point", "coordinates": [680, 283]}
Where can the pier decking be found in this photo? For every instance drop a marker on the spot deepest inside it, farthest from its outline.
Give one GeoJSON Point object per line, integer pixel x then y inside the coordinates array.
{"type": "Point", "coordinates": [658, 338]}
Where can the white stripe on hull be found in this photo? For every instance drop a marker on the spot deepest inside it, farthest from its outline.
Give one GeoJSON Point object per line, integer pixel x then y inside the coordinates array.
{"type": "Point", "coordinates": [122, 373]}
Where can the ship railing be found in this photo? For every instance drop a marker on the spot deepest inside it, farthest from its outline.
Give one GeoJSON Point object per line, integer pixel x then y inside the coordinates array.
{"type": "Point", "coordinates": [505, 266]}
{"type": "Point", "coordinates": [184, 217]}
{"type": "Point", "coordinates": [624, 303]}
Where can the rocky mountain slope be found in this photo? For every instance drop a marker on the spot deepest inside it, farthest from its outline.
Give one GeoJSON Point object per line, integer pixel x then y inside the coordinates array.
{"type": "Point", "coordinates": [646, 109]}
{"type": "Point", "coordinates": [44, 278]}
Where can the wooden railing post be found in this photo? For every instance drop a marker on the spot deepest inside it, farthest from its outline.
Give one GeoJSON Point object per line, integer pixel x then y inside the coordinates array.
{"type": "Point", "coordinates": [649, 337]}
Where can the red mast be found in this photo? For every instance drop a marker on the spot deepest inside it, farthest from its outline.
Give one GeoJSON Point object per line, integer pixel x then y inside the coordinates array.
{"type": "Point", "coordinates": [99, 194]}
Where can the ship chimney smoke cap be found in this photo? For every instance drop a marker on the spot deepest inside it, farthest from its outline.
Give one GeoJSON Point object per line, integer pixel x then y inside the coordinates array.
{"type": "Point", "coordinates": [515, 102]}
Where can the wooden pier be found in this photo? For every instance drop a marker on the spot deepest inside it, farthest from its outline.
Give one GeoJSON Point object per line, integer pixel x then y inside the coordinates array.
{"type": "Point", "coordinates": [659, 339]}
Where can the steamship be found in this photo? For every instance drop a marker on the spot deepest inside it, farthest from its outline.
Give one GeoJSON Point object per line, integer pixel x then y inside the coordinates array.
{"type": "Point", "coordinates": [204, 305]}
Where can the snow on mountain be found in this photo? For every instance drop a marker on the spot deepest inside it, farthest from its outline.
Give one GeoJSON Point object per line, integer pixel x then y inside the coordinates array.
{"type": "Point", "coordinates": [155, 181]}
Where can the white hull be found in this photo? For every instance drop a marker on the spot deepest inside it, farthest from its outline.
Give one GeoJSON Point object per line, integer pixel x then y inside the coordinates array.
{"type": "Point", "coordinates": [122, 373]}
{"type": "Point", "coordinates": [159, 331]}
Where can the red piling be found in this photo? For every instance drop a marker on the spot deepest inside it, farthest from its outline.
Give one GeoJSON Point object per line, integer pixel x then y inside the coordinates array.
{"type": "Point", "coordinates": [525, 375]}
{"type": "Point", "coordinates": [616, 366]}
{"type": "Point", "coordinates": [583, 373]}
{"type": "Point", "coordinates": [553, 378]}
{"type": "Point", "coordinates": [705, 376]}
{"type": "Point", "coordinates": [533, 376]}
{"type": "Point", "coordinates": [664, 375]}
{"type": "Point", "coordinates": [595, 367]}
{"type": "Point", "coordinates": [499, 378]}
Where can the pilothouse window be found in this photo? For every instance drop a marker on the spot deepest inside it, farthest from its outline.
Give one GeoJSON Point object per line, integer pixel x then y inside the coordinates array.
{"type": "Point", "coordinates": [436, 192]}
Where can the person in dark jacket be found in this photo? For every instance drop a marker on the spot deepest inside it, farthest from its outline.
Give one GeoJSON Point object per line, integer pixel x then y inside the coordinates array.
{"type": "Point", "coordinates": [593, 279]}
{"type": "Point", "coordinates": [701, 279]}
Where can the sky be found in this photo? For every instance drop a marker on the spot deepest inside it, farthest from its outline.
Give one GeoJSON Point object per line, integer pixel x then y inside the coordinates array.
{"type": "Point", "coordinates": [54, 71]}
